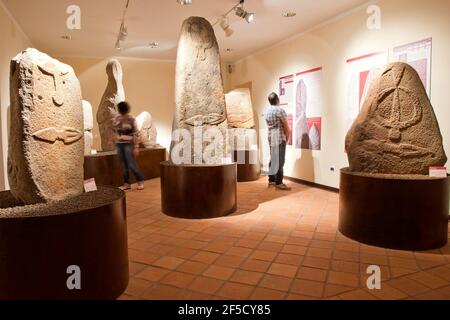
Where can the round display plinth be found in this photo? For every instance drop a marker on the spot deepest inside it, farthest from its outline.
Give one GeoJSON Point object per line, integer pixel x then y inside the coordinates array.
{"type": "Point", "coordinates": [198, 191]}
{"type": "Point", "coordinates": [394, 211]}
{"type": "Point", "coordinates": [72, 249]}
{"type": "Point", "coordinates": [106, 167]}
{"type": "Point", "coordinates": [248, 166]}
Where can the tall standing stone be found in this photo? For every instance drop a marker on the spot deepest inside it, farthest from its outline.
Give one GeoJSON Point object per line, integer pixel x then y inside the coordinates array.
{"type": "Point", "coordinates": [199, 94]}
{"type": "Point", "coordinates": [107, 110]}
{"type": "Point", "coordinates": [46, 145]}
{"type": "Point", "coordinates": [241, 123]}
{"type": "Point", "coordinates": [396, 131]}
{"type": "Point", "coordinates": [147, 130]}
{"type": "Point", "coordinates": [239, 109]}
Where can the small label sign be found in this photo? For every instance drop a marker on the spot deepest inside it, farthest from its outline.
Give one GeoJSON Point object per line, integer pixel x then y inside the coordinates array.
{"type": "Point", "coordinates": [90, 185]}
{"type": "Point", "coordinates": [438, 172]}
{"type": "Point", "coordinates": [227, 160]}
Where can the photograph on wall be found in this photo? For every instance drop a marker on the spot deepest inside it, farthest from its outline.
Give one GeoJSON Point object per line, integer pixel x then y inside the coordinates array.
{"type": "Point", "coordinates": [308, 109]}
{"type": "Point", "coordinates": [418, 56]}
{"type": "Point", "coordinates": [360, 73]}
{"type": "Point", "coordinates": [286, 95]}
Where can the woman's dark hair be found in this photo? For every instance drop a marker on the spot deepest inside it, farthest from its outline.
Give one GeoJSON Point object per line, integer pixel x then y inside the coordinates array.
{"type": "Point", "coordinates": [273, 99]}
{"type": "Point", "coordinates": [123, 107]}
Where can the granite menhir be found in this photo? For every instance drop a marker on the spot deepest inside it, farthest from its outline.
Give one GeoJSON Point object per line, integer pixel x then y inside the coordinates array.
{"type": "Point", "coordinates": [46, 145]}
{"type": "Point", "coordinates": [107, 110]}
{"type": "Point", "coordinates": [396, 131]}
{"type": "Point", "coordinates": [199, 94]}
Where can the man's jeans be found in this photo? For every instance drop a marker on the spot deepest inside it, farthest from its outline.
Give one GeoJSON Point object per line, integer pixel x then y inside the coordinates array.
{"type": "Point", "coordinates": [125, 152]}
{"type": "Point", "coordinates": [277, 159]}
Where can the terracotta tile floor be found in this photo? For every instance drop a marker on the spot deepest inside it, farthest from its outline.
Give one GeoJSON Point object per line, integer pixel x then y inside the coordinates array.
{"type": "Point", "coordinates": [278, 245]}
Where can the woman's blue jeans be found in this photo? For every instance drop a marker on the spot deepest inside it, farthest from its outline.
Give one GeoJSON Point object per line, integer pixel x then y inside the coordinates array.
{"type": "Point", "coordinates": [125, 152]}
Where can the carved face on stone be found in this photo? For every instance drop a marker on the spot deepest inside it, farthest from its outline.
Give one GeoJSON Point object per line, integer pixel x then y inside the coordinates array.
{"type": "Point", "coordinates": [46, 140]}
{"type": "Point", "coordinates": [202, 37]}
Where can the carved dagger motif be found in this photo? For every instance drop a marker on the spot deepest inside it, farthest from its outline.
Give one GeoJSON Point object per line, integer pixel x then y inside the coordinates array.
{"type": "Point", "coordinates": [211, 119]}
{"type": "Point", "coordinates": [66, 134]}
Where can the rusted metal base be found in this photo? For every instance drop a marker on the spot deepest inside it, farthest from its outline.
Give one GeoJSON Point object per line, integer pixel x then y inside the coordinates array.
{"type": "Point", "coordinates": [107, 169]}
{"type": "Point", "coordinates": [248, 166]}
{"type": "Point", "coordinates": [36, 254]}
{"type": "Point", "coordinates": [198, 192]}
{"type": "Point", "coordinates": [394, 212]}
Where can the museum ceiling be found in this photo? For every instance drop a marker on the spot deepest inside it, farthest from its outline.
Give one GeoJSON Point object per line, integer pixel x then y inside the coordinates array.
{"type": "Point", "coordinates": [148, 21]}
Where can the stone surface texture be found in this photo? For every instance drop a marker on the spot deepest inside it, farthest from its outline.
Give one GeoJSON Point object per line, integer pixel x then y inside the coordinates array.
{"type": "Point", "coordinates": [147, 131]}
{"type": "Point", "coordinates": [242, 139]}
{"type": "Point", "coordinates": [107, 109]}
{"type": "Point", "coordinates": [10, 207]}
{"type": "Point", "coordinates": [88, 126]}
{"type": "Point", "coordinates": [396, 131]}
{"type": "Point", "coordinates": [46, 145]}
{"type": "Point", "coordinates": [239, 109]}
{"type": "Point", "coordinates": [199, 94]}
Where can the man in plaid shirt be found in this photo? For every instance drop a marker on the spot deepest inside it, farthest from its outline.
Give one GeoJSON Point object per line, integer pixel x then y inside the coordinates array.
{"type": "Point", "coordinates": [279, 133]}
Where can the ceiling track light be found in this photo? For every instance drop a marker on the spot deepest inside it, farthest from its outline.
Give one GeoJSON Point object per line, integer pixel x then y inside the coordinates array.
{"type": "Point", "coordinates": [123, 31]}
{"type": "Point", "coordinates": [184, 2]}
{"type": "Point", "coordinates": [240, 12]}
{"type": "Point", "coordinates": [248, 16]}
{"type": "Point", "coordinates": [225, 25]}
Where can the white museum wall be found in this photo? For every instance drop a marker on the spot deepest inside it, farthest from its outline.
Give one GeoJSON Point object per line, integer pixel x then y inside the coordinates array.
{"type": "Point", "coordinates": [149, 86]}
{"type": "Point", "coordinates": [13, 41]}
{"type": "Point", "coordinates": [329, 46]}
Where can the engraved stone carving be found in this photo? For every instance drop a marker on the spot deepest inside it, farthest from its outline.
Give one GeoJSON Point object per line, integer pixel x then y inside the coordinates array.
{"type": "Point", "coordinates": [199, 95]}
{"type": "Point", "coordinates": [107, 110]}
{"type": "Point", "coordinates": [45, 158]}
{"type": "Point", "coordinates": [88, 126]}
{"type": "Point", "coordinates": [67, 135]}
{"type": "Point", "coordinates": [396, 131]}
{"type": "Point", "coordinates": [239, 109]}
{"type": "Point", "coordinates": [147, 131]}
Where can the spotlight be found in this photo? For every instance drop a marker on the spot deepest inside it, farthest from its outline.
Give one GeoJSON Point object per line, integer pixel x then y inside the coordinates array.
{"type": "Point", "coordinates": [248, 16]}
{"type": "Point", "coordinates": [184, 2]}
{"type": "Point", "coordinates": [226, 27]}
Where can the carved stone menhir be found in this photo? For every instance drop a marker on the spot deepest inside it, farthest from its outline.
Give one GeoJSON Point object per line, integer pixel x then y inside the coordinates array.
{"type": "Point", "coordinates": [107, 109]}
{"type": "Point", "coordinates": [241, 135]}
{"type": "Point", "coordinates": [396, 131]}
{"type": "Point", "coordinates": [88, 126]}
{"type": "Point", "coordinates": [239, 109]}
{"type": "Point", "coordinates": [45, 159]}
{"type": "Point", "coordinates": [147, 131]}
{"type": "Point", "coordinates": [199, 95]}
